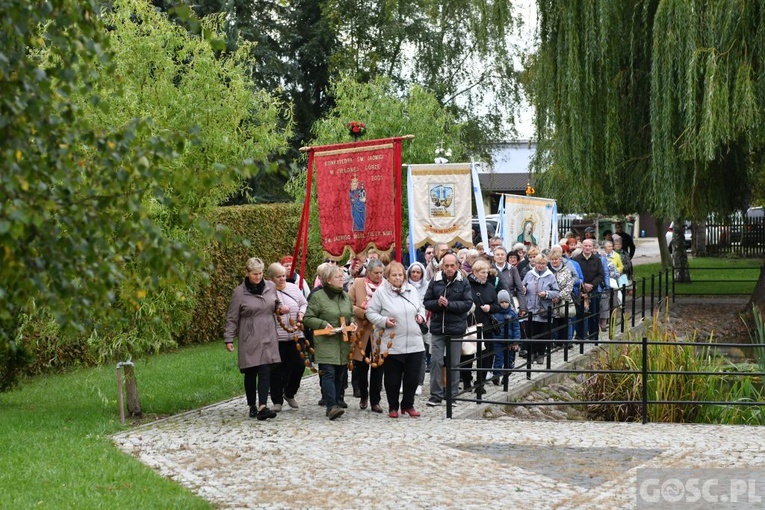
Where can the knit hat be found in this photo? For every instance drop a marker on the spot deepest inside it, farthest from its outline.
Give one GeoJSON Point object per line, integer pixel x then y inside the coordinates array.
{"type": "Point", "coordinates": [503, 296]}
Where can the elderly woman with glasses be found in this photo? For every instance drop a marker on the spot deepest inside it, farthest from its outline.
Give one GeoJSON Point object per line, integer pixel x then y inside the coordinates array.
{"type": "Point", "coordinates": [369, 380]}
{"type": "Point", "coordinates": [397, 308]}
{"type": "Point", "coordinates": [327, 309]}
{"type": "Point", "coordinates": [251, 319]}
{"type": "Point", "coordinates": [286, 376]}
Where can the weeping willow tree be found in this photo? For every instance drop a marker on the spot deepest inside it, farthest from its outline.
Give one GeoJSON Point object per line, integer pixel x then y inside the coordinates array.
{"type": "Point", "coordinates": [650, 105]}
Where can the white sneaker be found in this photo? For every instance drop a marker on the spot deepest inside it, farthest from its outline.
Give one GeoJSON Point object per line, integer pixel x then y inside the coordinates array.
{"type": "Point", "coordinates": [277, 408]}
{"type": "Point", "coordinates": [418, 391]}
{"type": "Point", "coordinates": [292, 403]}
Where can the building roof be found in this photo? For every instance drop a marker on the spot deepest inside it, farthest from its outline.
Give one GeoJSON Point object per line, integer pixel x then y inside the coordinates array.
{"type": "Point", "coordinates": [514, 183]}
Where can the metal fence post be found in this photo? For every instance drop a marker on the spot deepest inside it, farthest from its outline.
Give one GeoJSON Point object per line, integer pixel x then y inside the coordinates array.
{"type": "Point", "coordinates": [448, 385]}
{"type": "Point", "coordinates": [645, 379]}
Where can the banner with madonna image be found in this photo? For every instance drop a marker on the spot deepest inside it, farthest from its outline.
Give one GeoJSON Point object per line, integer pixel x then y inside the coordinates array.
{"type": "Point", "coordinates": [529, 220]}
{"type": "Point", "coordinates": [440, 204]}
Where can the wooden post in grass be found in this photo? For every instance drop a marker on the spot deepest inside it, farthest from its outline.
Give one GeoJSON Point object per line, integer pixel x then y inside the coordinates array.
{"type": "Point", "coordinates": [131, 389]}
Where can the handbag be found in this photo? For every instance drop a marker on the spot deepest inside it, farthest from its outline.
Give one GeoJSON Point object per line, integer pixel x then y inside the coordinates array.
{"type": "Point", "coordinates": [471, 333]}
{"type": "Point", "coordinates": [470, 348]}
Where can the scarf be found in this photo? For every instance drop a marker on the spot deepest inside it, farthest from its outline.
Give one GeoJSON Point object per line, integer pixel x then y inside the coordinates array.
{"type": "Point", "coordinates": [472, 277]}
{"type": "Point", "coordinates": [332, 292]}
{"type": "Point", "coordinates": [256, 289]}
{"type": "Point", "coordinates": [370, 287]}
{"type": "Point", "coordinates": [540, 275]}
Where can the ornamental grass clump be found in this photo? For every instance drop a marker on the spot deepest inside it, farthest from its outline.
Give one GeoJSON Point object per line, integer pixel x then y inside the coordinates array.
{"type": "Point", "coordinates": [670, 354]}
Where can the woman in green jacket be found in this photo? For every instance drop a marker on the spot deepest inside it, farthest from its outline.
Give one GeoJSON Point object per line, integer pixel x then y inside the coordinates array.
{"type": "Point", "coordinates": [325, 309]}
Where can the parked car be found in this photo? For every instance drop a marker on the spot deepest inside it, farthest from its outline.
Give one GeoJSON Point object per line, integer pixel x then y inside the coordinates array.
{"type": "Point", "coordinates": [491, 227]}
{"type": "Point", "coordinates": [686, 235]}
{"type": "Point", "coordinates": [754, 227]}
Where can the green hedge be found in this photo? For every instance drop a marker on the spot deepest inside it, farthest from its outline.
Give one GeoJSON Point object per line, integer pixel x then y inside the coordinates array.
{"type": "Point", "coordinates": [264, 231]}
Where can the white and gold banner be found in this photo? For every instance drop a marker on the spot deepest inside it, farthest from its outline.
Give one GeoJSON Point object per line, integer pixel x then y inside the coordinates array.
{"type": "Point", "coordinates": [440, 204]}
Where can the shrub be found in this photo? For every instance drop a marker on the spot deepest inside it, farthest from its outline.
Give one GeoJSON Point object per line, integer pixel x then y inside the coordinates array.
{"type": "Point", "coordinates": [672, 356]}
{"type": "Point", "coordinates": [264, 231]}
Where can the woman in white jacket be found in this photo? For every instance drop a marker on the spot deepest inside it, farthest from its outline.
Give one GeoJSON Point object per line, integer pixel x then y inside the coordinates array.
{"type": "Point", "coordinates": [396, 308]}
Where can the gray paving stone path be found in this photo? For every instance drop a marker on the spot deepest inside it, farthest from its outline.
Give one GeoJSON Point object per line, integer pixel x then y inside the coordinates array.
{"type": "Point", "coordinates": [368, 460]}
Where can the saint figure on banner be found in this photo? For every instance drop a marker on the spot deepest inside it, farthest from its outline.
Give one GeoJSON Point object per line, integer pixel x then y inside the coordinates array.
{"type": "Point", "coordinates": [358, 197]}
{"type": "Point", "coordinates": [527, 235]}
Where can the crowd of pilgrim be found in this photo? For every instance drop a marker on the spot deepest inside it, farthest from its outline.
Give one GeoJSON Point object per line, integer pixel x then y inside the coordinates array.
{"type": "Point", "coordinates": [388, 324]}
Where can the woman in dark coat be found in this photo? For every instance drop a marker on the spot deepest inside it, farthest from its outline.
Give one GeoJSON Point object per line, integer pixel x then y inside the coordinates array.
{"type": "Point", "coordinates": [484, 291]}
{"type": "Point", "coordinates": [251, 318]}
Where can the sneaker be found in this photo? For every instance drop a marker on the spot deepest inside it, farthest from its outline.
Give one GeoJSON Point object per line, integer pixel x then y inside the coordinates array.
{"type": "Point", "coordinates": [411, 412]}
{"type": "Point", "coordinates": [323, 402]}
{"type": "Point", "coordinates": [539, 359]}
{"type": "Point", "coordinates": [292, 403]}
{"type": "Point", "coordinates": [376, 408]}
{"type": "Point", "coordinates": [335, 412]}
{"type": "Point", "coordinates": [265, 414]}
{"type": "Point", "coordinates": [433, 402]}
{"type": "Point", "coordinates": [392, 413]}
{"type": "Point", "coordinates": [342, 404]}
{"type": "Point", "coordinates": [277, 408]}
{"type": "Point", "coordinates": [418, 391]}
{"type": "Point", "coordinates": [253, 411]}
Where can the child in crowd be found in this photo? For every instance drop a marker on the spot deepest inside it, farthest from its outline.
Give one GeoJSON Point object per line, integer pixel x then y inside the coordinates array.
{"type": "Point", "coordinates": [508, 317]}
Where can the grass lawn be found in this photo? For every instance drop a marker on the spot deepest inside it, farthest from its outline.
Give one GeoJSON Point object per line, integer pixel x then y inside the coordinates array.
{"type": "Point", "coordinates": [56, 450]}
{"type": "Point", "coordinates": [709, 276]}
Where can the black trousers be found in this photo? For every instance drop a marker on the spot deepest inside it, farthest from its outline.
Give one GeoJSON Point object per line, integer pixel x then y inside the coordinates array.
{"type": "Point", "coordinates": [286, 376]}
{"type": "Point", "coordinates": [396, 368]}
{"type": "Point", "coordinates": [485, 356]}
{"type": "Point", "coordinates": [256, 383]}
{"type": "Point", "coordinates": [370, 380]}
{"type": "Point", "coordinates": [542, 330]}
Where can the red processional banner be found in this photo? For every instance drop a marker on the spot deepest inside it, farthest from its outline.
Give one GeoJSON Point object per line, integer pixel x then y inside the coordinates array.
{"type": "Point", "coordinates": [355, 189]}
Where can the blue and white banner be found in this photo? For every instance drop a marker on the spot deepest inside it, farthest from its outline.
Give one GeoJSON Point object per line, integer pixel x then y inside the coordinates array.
{"type": "Point", "coordinates": [530, 220]}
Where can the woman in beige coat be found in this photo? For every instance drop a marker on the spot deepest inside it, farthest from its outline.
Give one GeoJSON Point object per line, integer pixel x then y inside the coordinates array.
{"type": "Point", "coordinates": [251, 318]}
{"type": "Point", "coordinates": [369, 381]}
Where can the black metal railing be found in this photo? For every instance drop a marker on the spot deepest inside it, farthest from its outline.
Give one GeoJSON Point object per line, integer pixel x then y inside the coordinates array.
{"type": "Point", "coordinates": [639, 299]}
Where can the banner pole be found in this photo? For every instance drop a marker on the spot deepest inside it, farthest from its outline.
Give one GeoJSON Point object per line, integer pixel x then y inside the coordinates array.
{"type": "Point", "coordinates": [397, 199]}
{"type": "Point", "coordinates": [301, 240]}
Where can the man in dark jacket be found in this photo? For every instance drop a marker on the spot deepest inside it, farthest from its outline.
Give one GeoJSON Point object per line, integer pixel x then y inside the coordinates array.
{"type": "Point", "coordinates": [592, 270]}
{"type": "Point", "coordinates": [449, 298]}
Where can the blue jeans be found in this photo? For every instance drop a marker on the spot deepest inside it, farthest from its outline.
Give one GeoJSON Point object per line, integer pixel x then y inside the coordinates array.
{"type": "Point", "coordinates": [331, 380]}
{"type": "Point", "coordinates": [510, 330]}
